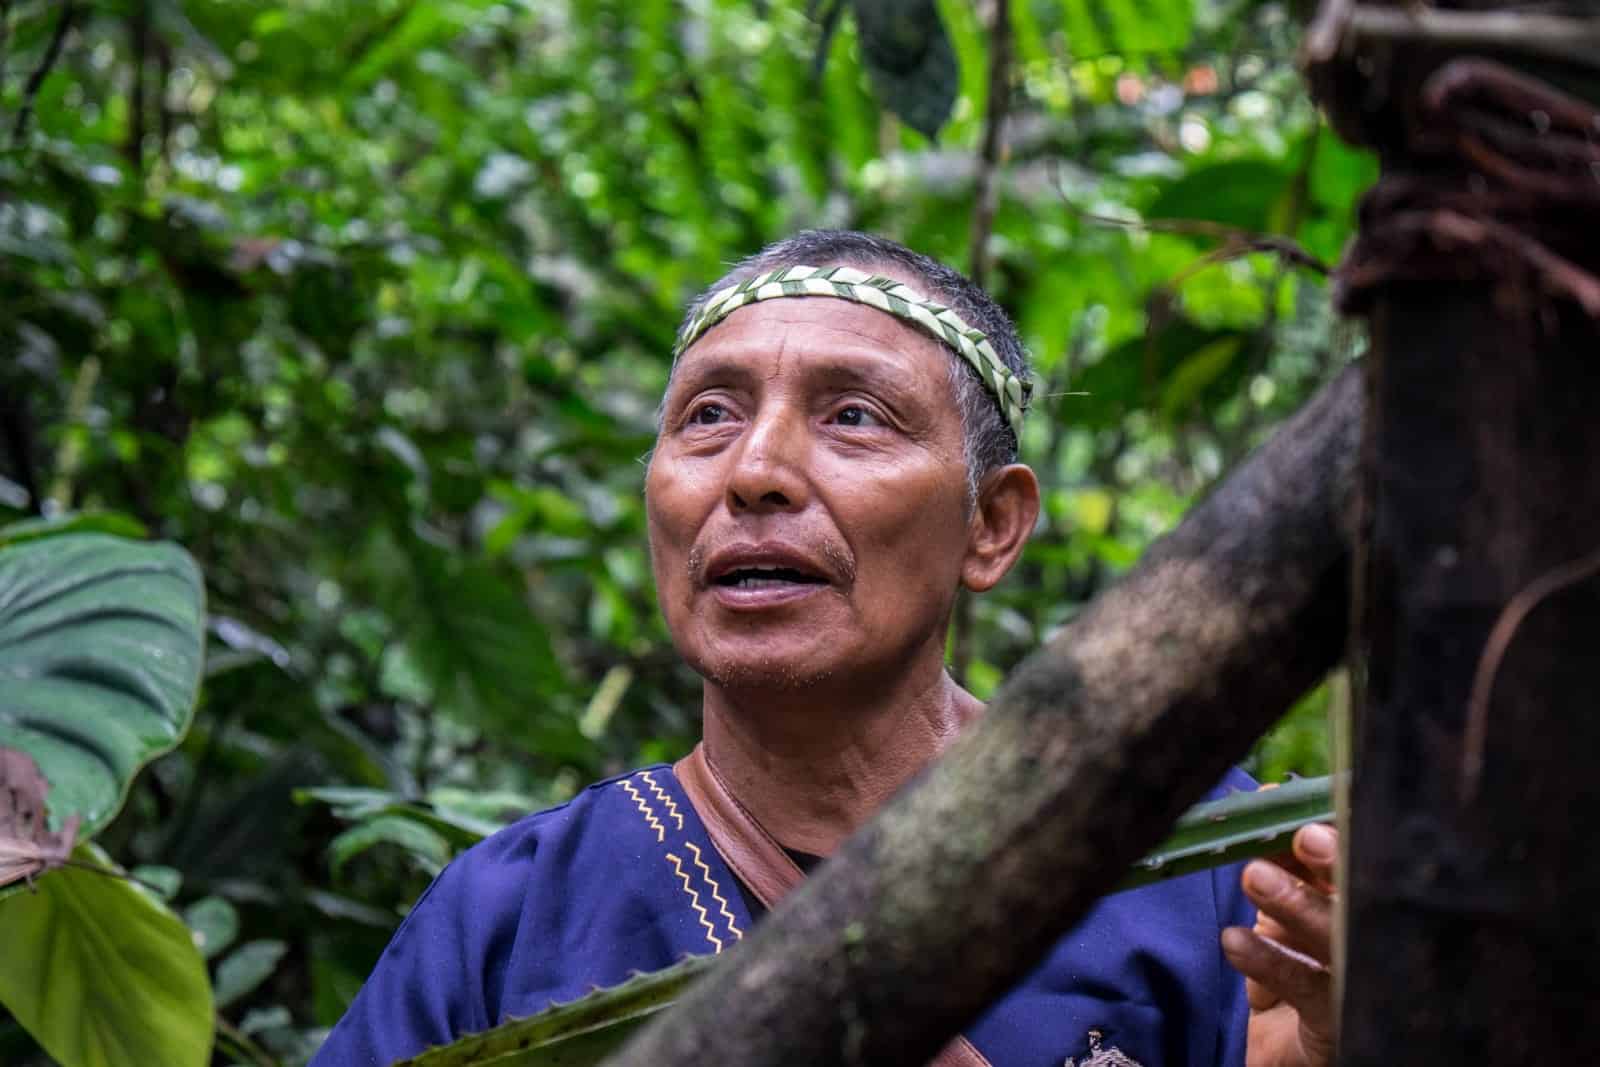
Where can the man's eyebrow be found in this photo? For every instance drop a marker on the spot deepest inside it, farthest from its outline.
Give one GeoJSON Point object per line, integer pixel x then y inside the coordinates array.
{"type": "Point", "coordinates": [866, 365]}
{"type": "Point", "coordinates": [724, 367]}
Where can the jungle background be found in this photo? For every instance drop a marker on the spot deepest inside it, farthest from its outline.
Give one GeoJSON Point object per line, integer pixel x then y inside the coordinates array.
{"type": "Point", "coordinates": [368, 304]}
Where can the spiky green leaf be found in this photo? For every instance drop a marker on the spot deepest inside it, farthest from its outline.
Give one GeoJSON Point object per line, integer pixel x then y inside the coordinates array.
{"type": "Point", "coordinates": [578, 1033]}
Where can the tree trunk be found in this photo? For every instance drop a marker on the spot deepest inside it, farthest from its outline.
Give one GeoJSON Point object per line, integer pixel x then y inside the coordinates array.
{"type": "Point", "coordinates": [1471, 910]}
{"type": "Point", "coordinates": [1473, 874]}
{"type": "Point", "coordinates": [1091, 749]}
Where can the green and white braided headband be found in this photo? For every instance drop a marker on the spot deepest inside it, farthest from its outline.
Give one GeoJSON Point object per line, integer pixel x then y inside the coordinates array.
{"type": "Point", "coordinates": [885, 294]}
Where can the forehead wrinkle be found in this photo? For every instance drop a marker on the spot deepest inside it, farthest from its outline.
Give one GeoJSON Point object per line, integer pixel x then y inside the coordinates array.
{"type": "Point", "coordinates": [887, 335]}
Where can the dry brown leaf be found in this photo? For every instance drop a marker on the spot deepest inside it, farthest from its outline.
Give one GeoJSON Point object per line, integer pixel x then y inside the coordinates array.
{"type": "Point", "coordinates": [28, 847]}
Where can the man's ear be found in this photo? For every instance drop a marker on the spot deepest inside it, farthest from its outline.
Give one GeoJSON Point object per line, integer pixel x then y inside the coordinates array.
{"type": "Point", "coordinates": [1002, 520]}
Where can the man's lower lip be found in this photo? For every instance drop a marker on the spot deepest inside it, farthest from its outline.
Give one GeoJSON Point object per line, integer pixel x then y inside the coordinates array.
{"type": "Point", "coordinates": [763, 595]}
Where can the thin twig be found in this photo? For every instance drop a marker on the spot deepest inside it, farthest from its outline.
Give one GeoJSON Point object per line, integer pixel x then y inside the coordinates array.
{"type": "Point", "coordinates": [1573, 39]}
{"type": "Point", "coordinates": [1494, 652]}
{"type": "Point", "coordinates": [830, 17]}
{"type": "Point", "coordinates": [985, 194]}
{"type": "Point", "coordinates": [1236, 241]}
{"type": "Point", "coordinates": [985, 201]}
{"type": "Point", "coordinates": [52, 53]}
{"type": "Point", "coordinates": [138, 48]}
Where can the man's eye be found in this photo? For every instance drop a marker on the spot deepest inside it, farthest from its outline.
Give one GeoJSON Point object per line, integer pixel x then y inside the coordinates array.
{"type": "Point", "coordinates": [856, 415]}
{"type": "Point", "coordinates": [708, 415]}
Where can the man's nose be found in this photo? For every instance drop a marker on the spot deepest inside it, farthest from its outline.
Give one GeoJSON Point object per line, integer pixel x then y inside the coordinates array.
{"type": "Point", "coordinates": [769, 471]}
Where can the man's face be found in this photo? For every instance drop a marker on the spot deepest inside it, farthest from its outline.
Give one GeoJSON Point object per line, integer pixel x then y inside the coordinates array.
{"type": "Point", "coordinates": [807, 498]}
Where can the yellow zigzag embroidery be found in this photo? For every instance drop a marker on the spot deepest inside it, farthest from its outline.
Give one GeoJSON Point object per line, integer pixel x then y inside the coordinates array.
{"type": "Point", "coordinates": [716, 891]}
{"type": "Point", "coordinates": [694, 900]}
{"type": "Point", "coordinates": [650, 816]}
{"type": "Point", "coordinates": [661, 795]}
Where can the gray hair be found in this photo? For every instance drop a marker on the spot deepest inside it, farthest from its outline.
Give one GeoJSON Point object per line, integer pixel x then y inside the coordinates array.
{"type": "Point", "coordinates": [987, 439]}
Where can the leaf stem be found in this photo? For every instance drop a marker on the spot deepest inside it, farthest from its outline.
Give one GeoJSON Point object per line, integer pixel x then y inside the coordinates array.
{"type": "Point", "coordinates": [244, 1043]}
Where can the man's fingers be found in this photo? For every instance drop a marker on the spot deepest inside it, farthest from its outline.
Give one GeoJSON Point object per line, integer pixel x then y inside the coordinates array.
{"type": "Point", "coordinates": [1303, 914]}
{"type": "Point", "coordinates": [1305, 984]}
{"type": "Point", "coordinates": [1317, 847]}
{"type": "Point", "coordinates": [1261, 997]}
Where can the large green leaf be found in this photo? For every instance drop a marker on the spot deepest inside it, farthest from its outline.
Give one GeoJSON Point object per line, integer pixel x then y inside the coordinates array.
{"type": "Point", "coordinates": [102, 974]}
{"type": "Point", "coordinates": [101, 643]}
{"type": "Point", "coordinates": [1233, 192]}
{"type": "Point", "coordinates": [581, 1033]}
{"type": "Point", "coordinates": [484, 654]}
{"type": "Point", "coordinates": [909, 57]}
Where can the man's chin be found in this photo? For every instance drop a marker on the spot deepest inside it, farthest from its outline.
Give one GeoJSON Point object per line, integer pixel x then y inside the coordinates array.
{"type": "Point", "coordinates": [762, 675]}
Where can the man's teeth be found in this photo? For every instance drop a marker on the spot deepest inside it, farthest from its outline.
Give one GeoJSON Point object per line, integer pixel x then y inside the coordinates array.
{"type": "Point", "coordinates": [762, 582]}
{"type": "Point", "coordinates": [766, 577]}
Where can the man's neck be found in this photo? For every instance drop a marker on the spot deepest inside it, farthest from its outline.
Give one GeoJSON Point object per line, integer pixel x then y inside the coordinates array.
{"type": "Point", "coordinates": [811, 768]}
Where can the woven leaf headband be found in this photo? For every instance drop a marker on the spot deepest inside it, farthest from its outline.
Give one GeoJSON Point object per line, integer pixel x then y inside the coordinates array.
{"type": "Point", "coordinates": [885, 294]}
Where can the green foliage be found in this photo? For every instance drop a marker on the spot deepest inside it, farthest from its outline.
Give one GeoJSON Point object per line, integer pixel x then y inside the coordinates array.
{"type": "Point", "coordinates": [368, 305]}
{"type": "Point", "coordinates": [100, 650]}
{"type": "Point", "coordinates": [100, 662]}
{"type": "Point", "coordinates": [102, 974]}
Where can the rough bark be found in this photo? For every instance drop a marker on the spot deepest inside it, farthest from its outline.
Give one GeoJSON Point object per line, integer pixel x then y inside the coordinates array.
{"type": "Point", "coordinates": [1472, 870]}
{"type": "Point", "coordinates": [1091, 749]}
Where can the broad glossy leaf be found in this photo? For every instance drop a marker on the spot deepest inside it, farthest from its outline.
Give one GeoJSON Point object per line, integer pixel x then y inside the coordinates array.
{"type": "Point", "coordinates": [102, 974]}
{"type": "Point", "coordinates": [101, 643]}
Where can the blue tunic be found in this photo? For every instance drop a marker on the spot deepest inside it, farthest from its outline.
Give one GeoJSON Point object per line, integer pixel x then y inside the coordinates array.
{"type": "Point", "coordinates": [623, 878]}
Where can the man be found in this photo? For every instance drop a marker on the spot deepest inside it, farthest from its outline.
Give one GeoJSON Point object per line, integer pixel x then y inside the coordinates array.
{"type": "Point", "coordinates": [836, 460]}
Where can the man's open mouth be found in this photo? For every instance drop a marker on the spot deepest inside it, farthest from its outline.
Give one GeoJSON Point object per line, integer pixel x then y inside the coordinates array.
{"type": "Point", "coordinates": [765, 578]}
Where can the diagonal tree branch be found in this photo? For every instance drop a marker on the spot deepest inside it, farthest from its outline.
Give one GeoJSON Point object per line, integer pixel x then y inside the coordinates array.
{"type": "Point", "coordinates": [985, 194]}
{"type": "Point", "coordinates": [1091, 749]}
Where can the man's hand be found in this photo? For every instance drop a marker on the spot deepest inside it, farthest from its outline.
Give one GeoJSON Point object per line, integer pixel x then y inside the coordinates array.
{"type": "Point", "coordinates": [1286, 958]}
